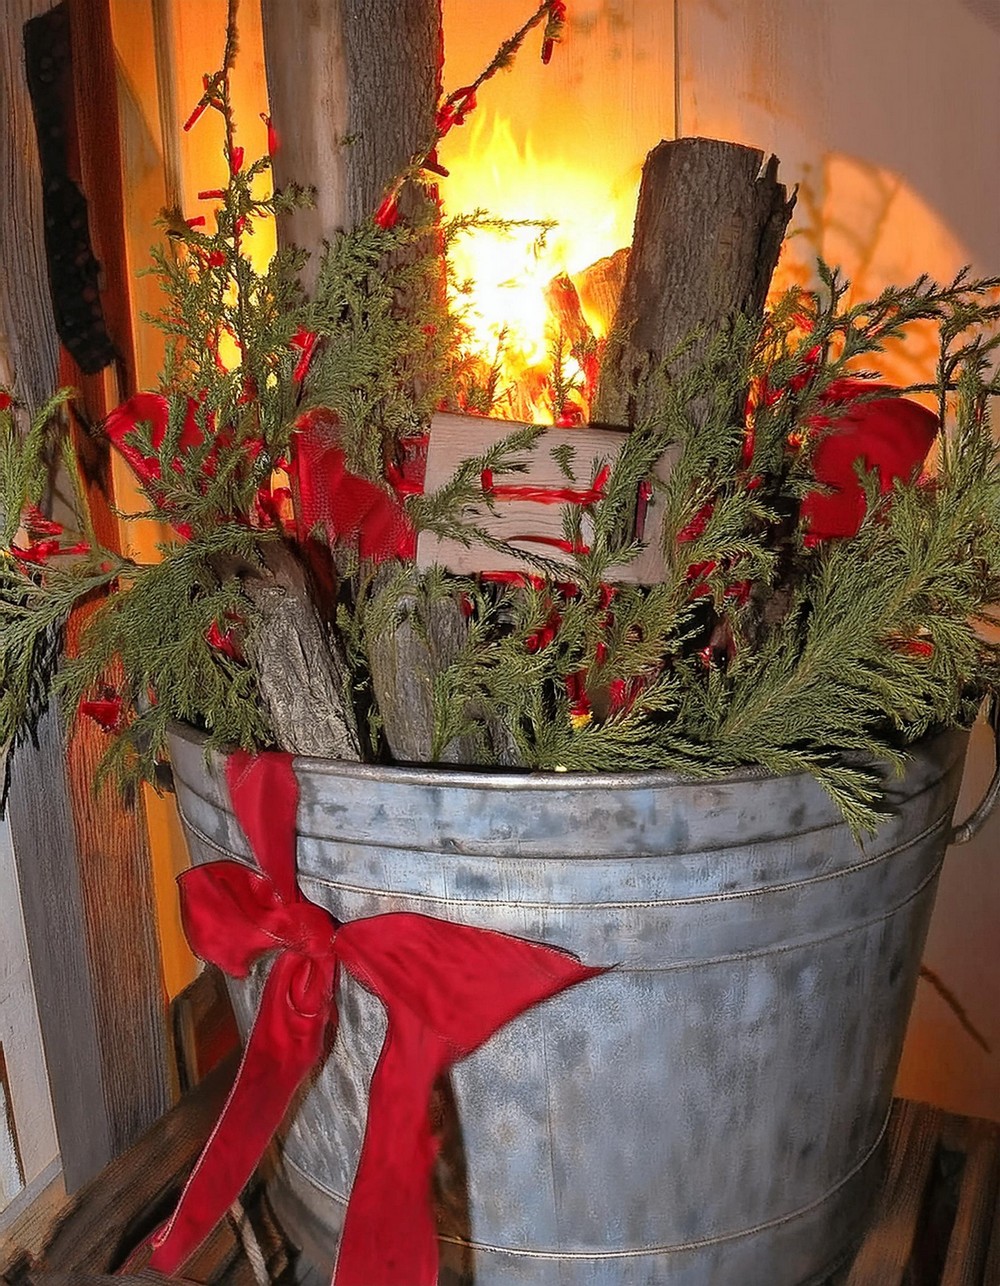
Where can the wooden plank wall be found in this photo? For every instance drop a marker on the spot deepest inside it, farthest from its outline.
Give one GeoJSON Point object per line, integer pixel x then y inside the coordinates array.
{"type": "Point", "coordinates": [43, 836]}
{"type": "Point", "coordinates": [886, 113]}
{"type": "Point", "coordinates": [83, 867]}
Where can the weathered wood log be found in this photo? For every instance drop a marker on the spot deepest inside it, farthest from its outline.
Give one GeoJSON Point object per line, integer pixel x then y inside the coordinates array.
{"type": "Point", "coordinates": [393, 85]}
{"type": "Point", "coordinates": [708, 228]}
{"type": "Point", "coordinates": [93, 1230]}
{"type": "Point", "coordinates": [303, 680]}
{"type": "Point", "coordinates": [353, 89]}
{"type": "Point", "coordinates": [306, 68]}
{"type": "Point", "coordinates": [353, 92]}
{"type": "Point", "coordinates": [427, 638]}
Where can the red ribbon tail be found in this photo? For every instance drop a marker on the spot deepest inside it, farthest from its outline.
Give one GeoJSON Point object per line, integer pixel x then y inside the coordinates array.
{"type": "Point", "coordinates": [281, 1050]}
{"type": "Point", "coordinates": [398, 1249]}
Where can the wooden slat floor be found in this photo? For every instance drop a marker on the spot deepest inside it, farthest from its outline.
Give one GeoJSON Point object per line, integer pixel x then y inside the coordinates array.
{"type": "Point", "coordinates": [935, 1222]}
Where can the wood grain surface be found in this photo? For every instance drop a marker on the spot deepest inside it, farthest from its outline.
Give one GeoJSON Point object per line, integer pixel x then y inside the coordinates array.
{"type": "Point", "coordinates": [83, 865]}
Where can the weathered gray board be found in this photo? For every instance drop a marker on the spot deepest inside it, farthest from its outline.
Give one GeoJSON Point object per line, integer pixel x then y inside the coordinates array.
{"type": "Point", "coordinates": [90, 927]}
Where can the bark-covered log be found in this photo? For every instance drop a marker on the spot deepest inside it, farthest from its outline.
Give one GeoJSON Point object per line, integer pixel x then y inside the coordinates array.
{"type": "Point", "coordinates": [404, 662]}
{"type": "Point", "coordinates": [393, 85]}
{"type": "Point", "coordinates": [708, 228]}
{"type": "Point", "coordinates": [353, 89]}
{"type": "Point", "coordinates": [302, 676]}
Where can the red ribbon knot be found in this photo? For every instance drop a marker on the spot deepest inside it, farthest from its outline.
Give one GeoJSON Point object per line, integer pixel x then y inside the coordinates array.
{"type": "Point", "coordinates": [446, 989]}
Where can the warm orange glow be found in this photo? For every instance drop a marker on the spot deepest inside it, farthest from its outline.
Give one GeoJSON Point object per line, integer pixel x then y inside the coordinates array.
{"type": "Point", "coordinates": [507, 270]}
{"type": "Point", "coordinates": [562, 142]}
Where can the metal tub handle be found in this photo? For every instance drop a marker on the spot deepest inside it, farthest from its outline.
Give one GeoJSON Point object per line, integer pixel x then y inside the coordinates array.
{"type": "Point", "coordinates": [963, 832]}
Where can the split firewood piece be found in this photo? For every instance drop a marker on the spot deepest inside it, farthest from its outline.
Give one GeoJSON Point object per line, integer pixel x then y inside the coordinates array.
{"type": "Point", "coordinates": [303, 680]}
{"type": "Point", "coordinates": [525, 510]}
{"type": "Point", "coordinates": [600, 287]}
{"type": "Point", "coordinates": [708, 229]}
{"type": "Point", "coordinates": [563, 302]}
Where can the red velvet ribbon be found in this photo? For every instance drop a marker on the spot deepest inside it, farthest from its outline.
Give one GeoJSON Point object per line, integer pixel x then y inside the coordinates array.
{"type": "Point", "coordinates": [153, 407]}
{"type": "Point", "coordinates": [446, 989]}
{"type": "Point", "coordinates": [347, 505]}
{"type": "Point", "coordinates": [891, 435]}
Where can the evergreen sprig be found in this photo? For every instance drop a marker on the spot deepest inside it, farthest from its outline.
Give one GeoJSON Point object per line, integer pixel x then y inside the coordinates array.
{"type": "Point", "coordinates": [833, 657]}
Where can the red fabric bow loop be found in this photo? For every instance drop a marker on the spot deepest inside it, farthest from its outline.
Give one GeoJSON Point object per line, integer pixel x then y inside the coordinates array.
{"type": "Point", "coordinates": [232, 915]}
{"type": "Point", "coordinates": [890, 435]}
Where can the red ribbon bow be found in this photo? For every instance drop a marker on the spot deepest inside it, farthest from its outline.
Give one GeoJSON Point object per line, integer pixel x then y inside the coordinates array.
{"type": "Point", "coordinates": [446, 989]}
{"type": "Point", "coordinates": [347, 505]}
{"type": "Point", "coordinates": [891, 435]}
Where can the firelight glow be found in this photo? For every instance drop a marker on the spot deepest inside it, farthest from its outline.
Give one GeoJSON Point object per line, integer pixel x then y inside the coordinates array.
{"type": "Point", "coordinates": [510, 269]}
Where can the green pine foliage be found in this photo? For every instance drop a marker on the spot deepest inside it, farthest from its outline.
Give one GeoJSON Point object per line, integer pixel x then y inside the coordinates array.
{"type": "Point", "coordinates": [760, 649]}
{"type": "Point", "coordinates": [152, 639]}
{"type": "Point", "coordinates": [839, 655]}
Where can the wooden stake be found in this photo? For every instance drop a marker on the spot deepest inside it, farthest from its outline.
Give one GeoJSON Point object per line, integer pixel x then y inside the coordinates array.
{"type": "Point", "coordinates": [353, 91]}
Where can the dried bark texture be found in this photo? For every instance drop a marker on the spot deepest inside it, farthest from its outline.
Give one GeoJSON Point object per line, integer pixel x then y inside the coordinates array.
{"type": "Point", "coordinates": [393, 82]}
{"type": "Point", "coordinates": [353, 88]}
{"type": "Point", "coordinates": [302, 677]}
{"type": "Point", "coordinates": [708, 228]}
{"type": "Point", "coordinates": [403, 665]}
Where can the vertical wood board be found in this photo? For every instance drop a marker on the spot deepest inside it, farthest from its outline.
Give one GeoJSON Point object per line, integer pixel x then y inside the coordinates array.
{"type": "Point", "coordinates": [85, 887]}
{"type": "Point", "coordinates": [40, 823]}
{"type": "Point", "coordinates": [20, 1033]}
{"type": "Point", "coordinates": [25, 309]}
{"type": "Point", "coordinates": [116, 874]}
{"type": "Point", "coordinates": [45, 847]}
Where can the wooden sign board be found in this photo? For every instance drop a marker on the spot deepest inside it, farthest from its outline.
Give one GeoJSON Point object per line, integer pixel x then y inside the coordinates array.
{"type": "Point", "coordinates": [533, 525]}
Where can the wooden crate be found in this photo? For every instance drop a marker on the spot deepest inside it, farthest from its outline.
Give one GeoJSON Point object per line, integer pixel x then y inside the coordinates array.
{"type": "Point", "coordinates": [935, 1219]}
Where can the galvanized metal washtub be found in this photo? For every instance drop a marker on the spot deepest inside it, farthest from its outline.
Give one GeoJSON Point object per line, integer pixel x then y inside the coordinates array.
{"type": "Point", "coordinates": [710, 1112]}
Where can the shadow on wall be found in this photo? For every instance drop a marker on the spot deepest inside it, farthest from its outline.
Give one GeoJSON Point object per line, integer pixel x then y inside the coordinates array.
{"type": "Point", "coordinates": [850, 213]}
{"type": "Point", "coordinates": [887, 116]}
{"type": "Point", "coordinates": [907, 87]}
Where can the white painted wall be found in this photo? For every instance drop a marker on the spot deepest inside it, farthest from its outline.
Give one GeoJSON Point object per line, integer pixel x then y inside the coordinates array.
{"type": "Point", "coordinates": [22, 1046]}
{"type": "Point", "coordinates": [886, 112]}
